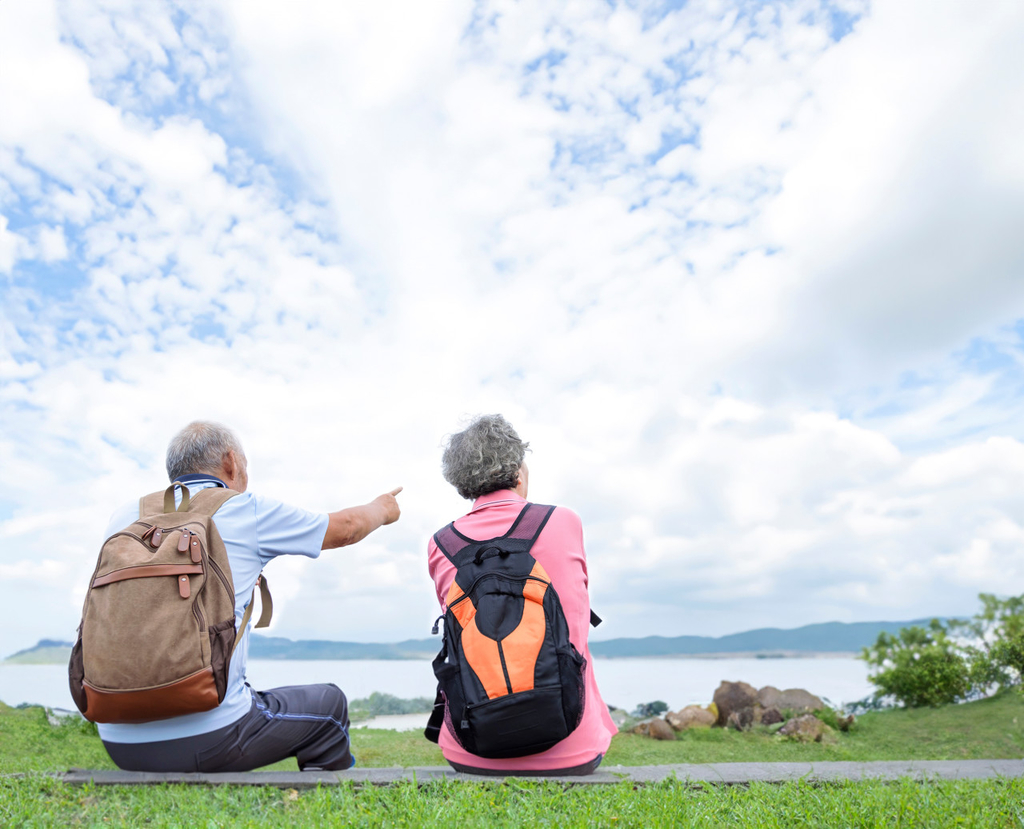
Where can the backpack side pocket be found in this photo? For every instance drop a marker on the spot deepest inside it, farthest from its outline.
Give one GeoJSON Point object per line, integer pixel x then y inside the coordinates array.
{"type": "Point", "coordinates": [572, 667]}
{"type": "Point", "coordinates": [76, 675]}
{"type": "Point", "coordinates": [222, 641]}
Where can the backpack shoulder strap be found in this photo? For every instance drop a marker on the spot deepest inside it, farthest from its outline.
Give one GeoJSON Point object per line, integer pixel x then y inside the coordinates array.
{"type": "Point", "coordinates": [205, 501]}
{"type": "Point", "coordinates": [152, 504]}
{"type": "Point", "coordinates": [266, 602]}
{"type": "Point", "coordinates": [527, 527]}
{"type": "Point", "coordinates": [450, 543]}
{"type": "Point", "coordinates": [530, 523]}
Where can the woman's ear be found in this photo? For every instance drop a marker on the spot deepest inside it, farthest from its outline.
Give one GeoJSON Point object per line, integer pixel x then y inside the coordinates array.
{"type": "Point", "coordinates": [523, 484]}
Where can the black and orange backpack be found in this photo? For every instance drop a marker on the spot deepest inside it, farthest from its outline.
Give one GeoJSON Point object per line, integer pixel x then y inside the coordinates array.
{"type": "Point", "coordinates": [510, 683]}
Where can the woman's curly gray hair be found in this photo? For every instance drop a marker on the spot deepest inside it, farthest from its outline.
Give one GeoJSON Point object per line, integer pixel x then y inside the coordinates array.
{"type": "Point", "coordinates": [484, 457]}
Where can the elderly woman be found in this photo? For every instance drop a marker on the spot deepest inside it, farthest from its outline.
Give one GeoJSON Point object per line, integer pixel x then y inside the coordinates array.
{"type": "Point", "coordinates": [485, 462]}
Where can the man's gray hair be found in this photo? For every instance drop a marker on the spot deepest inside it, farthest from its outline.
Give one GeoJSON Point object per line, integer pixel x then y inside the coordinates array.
{"type": "Point", "coordinates": [200, 447]}
{"type": "Point", "coordinates": [484, 457]}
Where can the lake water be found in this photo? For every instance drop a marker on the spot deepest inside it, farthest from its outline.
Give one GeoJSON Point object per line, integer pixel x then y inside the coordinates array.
{"type": "Point", "coordinates": [624, 683]}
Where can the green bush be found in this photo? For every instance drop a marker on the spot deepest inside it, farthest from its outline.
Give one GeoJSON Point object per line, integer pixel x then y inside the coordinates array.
{"type": "Point", "coordinates": [920, 667]}
{"type": "Point", "coordinates": [650, 709]}
{"type": "Point", "coordinates": [1008, 655]}
{"type": "Point", "coordinates": [954, 660]}
{"type": "Point", "coordinates": [379, 704]}
{"type": "Point", "coordinates": [995, 642]}
{"type": "Point", "coordinates": [829, 716]}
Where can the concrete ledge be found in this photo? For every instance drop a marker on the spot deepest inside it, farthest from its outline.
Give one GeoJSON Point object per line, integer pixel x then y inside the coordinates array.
{"type": "Point", "coordinates": [718, 773]}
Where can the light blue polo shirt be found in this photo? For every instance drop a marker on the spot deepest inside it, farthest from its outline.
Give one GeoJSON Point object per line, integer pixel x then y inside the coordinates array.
{"type": "Point", "coordinates": [255, 531]}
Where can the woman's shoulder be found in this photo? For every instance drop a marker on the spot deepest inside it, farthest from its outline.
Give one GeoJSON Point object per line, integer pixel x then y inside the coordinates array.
{"type": "Point", "coordinates": [564, 520]}
{"type": "Point", "coordinates": [565, 514]}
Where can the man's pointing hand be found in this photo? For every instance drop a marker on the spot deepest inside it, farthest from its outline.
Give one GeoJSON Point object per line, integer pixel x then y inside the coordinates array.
{"type": "Point", "coordinates": [390, 505]}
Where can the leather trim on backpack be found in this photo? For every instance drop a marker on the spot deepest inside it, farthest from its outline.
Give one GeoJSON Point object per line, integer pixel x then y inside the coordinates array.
{"type": "Point", "coordinates": [190, 695]}
{"type": "Point", "coordinates": [146, 571]}
{"type": "Point", "coordinates": [76, 674]}
{"type": "Point", "coordinates": [142, 655]}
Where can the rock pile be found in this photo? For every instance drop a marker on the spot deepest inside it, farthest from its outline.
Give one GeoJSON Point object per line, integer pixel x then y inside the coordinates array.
{"type": "Point", "coordinates": [692, 716]}
{"type": "Point", "coordinates": [741, 706]}
{"type": "Point", "coordinates": [656, 729]}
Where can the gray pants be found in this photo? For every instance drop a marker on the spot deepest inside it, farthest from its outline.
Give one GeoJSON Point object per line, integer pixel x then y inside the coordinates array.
{"type": "Point", "coordinates": [308, 722]}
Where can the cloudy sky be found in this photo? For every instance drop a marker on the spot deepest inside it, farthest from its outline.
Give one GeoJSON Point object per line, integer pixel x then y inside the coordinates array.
{"type": "Point", "coordinates": [748, 276]}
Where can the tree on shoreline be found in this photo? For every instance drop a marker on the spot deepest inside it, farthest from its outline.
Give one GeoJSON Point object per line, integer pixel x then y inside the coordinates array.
{"type": "Point", "coordinates": [952, 661]}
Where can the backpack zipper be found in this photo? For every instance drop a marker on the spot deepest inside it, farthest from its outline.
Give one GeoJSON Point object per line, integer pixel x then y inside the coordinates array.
{"type": "Point", "coordinates": [206, 570]}
{"type": "Point", "coordinates": [504, 667]}
{"type": "Point", "coordinates": [205, 557]}
{"type": "Point", "coordinates": [124, 532]}
{"type": "Point", "coordinates": [220, 574]}
{"type": "Point", "coordinates": [478, 579]}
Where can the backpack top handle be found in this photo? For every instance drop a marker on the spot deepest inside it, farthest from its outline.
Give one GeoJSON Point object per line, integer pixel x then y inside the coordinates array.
{"type": "Point", "coordinates": [169, 498]}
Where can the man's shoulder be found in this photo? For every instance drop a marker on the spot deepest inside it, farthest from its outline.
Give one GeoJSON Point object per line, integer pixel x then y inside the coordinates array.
{"type": "Point", "coordinates": [122, 517]}
{"type": "Point", "coordinates": [268, 507]}
{"type": "Point", "coordinates": [237, 502]}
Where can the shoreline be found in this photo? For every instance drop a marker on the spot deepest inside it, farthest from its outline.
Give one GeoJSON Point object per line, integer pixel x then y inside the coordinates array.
{"type": "Point", "coordinates": [741, 655]}
{"type": "Point", "coordinates": [716, 655]}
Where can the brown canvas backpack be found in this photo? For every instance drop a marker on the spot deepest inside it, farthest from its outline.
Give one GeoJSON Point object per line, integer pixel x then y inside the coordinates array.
{"type": "Point", "coordinates": [158, 626]}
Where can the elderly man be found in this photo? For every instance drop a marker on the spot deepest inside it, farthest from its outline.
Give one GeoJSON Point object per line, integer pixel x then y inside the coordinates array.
{"type": "Point", "coordinates": [249, 728]}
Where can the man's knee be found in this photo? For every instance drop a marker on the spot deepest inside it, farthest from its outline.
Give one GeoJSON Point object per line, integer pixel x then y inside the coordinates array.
{"type": "Point", "coordinates": [335, 702]}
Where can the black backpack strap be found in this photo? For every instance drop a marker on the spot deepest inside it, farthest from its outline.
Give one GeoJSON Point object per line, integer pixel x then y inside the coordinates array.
{"type": "Point", "coordinates": [527, 527]}
{"type": "Point", "coordinates": [530, 523]}
{"type": "Point", "coordinates": [433, 730]}
{"type": "Point", "coordinates": [450, 543]}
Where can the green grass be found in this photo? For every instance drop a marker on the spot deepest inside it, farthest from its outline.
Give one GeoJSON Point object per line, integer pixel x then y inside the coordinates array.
{"type": "Point", "coordinates": [29, 743]}
{"type": "Point", "coordinates": [987, 729]}
{"type": "Point", "coordinates": [990, 804]}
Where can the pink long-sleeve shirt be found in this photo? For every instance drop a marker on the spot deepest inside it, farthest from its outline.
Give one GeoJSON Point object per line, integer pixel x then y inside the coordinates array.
{"type": "Point", "coordinates": [559, 549]}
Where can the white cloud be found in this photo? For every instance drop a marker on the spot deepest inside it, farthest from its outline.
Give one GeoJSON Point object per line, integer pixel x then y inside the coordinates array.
{"type": "Point", "coordinates": [344, 229]}
{"type": "Point", "coordinates": [32, 570]}
{"type": "Point", "coordinates": [53, 246]}
{"type": "Point", "coordinates": [996, 460]}
{"type": "Point", "coordinates": [10, 243]}
{"type": "Point", "coordinates": [891, 205]}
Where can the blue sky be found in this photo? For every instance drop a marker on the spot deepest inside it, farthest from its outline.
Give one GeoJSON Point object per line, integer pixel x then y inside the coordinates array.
{"type": "Point", "coordinates": [746, 275]}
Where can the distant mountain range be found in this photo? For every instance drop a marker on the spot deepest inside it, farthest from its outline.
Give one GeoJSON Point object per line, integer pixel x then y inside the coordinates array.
{"type": "Point", "coordinates": [270, 647]}
{"type": "Point", "coordinates": [828, 637]}
{"type": "Point", "coordinates": [45, 652]}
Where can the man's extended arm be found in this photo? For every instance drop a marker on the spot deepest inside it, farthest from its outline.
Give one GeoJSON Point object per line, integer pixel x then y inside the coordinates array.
{"type": "Point", "coordinates": [353, 524]}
